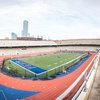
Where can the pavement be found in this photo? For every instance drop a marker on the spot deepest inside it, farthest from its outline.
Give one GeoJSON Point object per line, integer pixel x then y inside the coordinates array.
{"type": "Point", "coordinates": [95, 91]}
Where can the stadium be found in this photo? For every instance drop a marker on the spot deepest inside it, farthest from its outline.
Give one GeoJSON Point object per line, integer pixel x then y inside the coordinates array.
{"type": "Point", "coordinates": [47, 70]}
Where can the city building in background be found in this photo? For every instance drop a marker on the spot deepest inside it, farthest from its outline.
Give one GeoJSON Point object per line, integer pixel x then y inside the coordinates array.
{"type": "Point", "coordinates": [30, 38]}
{"type": "Point", "coordinates": [13, 35]}
{"type": "Point", "coordinates": [25, 35]}
{"type": "Point", "coordinates": [25, 29]}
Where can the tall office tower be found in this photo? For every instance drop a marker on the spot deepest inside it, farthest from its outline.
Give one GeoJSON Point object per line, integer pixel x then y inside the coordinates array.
{"type": "Point", "coordinates": [13, 35]}
{"type": "Point", "coordinates": [25, 29]}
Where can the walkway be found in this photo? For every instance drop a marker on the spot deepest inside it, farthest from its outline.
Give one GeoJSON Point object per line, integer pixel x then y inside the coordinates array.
{"type": "Point", "coordinates": [95, 92]}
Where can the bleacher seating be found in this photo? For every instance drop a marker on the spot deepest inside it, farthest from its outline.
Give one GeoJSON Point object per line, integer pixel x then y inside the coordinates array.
{"type": "Point", "coordinates": [78, 42]}
{"type": "Point", "coordinates": [19, 46]}
{"type": "Point", "coordinates": [29, 50]}
{"type": "Point", "coordinates": [19, 43]}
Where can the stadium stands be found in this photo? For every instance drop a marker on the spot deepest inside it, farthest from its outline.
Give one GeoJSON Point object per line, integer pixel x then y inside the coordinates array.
{"type": "Point", "coordinates": [19, 43]}
{"type": "Point", "coordinates": [29, 50]}
{"type": "Point", "coordinates": [79, 42]}
{"type": "Point", "coordinates": [18, 47]}
{"type": "Point", "coordinates": [50, 89]}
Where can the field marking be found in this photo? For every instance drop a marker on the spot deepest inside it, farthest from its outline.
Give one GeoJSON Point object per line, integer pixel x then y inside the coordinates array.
{"type": "Point", "coordinates": [22, 67]}
{"type": "Point", "coordinates": [50, 69]}
{"type": "Point", "coordinates": [3, 94]}
{"type": "Point", "coordinates": [61, 65]}
{"type": "Point", "coordinates": [28, 67]}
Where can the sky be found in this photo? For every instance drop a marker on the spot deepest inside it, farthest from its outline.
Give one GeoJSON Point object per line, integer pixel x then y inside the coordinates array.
{"type": "Point", "coordinates": [52, 19]}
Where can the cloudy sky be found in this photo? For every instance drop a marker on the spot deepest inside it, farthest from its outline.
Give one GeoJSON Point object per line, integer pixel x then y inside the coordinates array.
{"type": "Point", "coordinates": [54, 19]}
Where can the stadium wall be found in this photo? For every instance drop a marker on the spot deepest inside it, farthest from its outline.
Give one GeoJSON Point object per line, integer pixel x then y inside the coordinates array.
{"type": "Point", "coordinates": [79, 42]}
{"type": "Point", "coordinates": [36, 50]}
{"type": "Point", "coordinates": [17, 47]}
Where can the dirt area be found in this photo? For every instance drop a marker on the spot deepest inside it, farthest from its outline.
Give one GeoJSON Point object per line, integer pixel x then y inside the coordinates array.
{"type": "Point", "coordinates": [95, 92]}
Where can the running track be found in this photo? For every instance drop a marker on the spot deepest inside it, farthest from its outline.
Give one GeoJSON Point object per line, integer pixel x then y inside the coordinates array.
{"type": "Point", "coordinates": [49, 89]}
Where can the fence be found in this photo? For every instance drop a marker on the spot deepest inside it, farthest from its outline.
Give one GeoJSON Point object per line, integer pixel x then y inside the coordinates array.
{"type": "Point", "coordinates": [84, 76]}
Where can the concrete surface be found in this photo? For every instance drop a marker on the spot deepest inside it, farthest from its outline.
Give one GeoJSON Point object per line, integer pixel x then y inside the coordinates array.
{"type": "Point", "coordinates": [95, 91]}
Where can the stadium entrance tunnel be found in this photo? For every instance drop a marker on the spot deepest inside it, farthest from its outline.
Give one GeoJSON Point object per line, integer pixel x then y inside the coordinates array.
{"type": "Point", "coordinates": [19, 68]}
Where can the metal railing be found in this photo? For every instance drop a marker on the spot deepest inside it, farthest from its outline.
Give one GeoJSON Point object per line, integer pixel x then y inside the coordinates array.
{"type": "Point", "coordinates": [83, 74]}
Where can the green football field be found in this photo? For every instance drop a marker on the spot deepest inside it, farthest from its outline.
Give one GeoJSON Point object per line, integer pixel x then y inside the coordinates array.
{"type": "Point", "coordinates": [53, 63]}
{"type": "Point", "coordinates": [50, 61]}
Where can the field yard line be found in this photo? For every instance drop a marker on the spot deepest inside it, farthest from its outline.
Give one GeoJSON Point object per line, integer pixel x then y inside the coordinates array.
{"type": "Point", "coordinates": [23, 67]}
{"type": "Point", "coordinates": [50, 69]}
{"type": "Point", "coordinates": [3, 94]}
{"type": "Point", "coordinates": [61, 65]}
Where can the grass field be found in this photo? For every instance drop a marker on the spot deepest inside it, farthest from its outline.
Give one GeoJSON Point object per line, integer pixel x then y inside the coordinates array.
{"type": "Point", "coordinates": [47, 62]}
{"type": "Point", "coordinates": [50, 61]}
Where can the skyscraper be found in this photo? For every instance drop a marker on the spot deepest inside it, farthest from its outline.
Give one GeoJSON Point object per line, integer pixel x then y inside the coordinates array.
{"type": "Point", "coordinates": [25, 29]}
{"type": "Point", "coordinates": [13, 35]}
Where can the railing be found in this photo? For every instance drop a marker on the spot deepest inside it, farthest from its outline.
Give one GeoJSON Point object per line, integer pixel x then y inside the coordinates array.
{"type": "Point", "coordinates": [84, 75]}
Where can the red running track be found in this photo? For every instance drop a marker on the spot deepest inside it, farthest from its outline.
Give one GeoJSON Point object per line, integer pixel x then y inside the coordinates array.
{"type": "Point", "coordinates": [49, 89]}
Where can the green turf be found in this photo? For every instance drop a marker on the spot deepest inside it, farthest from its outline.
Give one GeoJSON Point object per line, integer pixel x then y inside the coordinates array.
{"type": "Point", "coordinates": [15, 69]}
{"type": "Point", "coordinates": [50, 61]}
{"type": "Point", "coordinates": [46, 62]}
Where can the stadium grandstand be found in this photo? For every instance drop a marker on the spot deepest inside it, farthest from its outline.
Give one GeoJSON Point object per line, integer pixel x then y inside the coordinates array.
{"type": "Point", "coordinates": [47, 70]}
